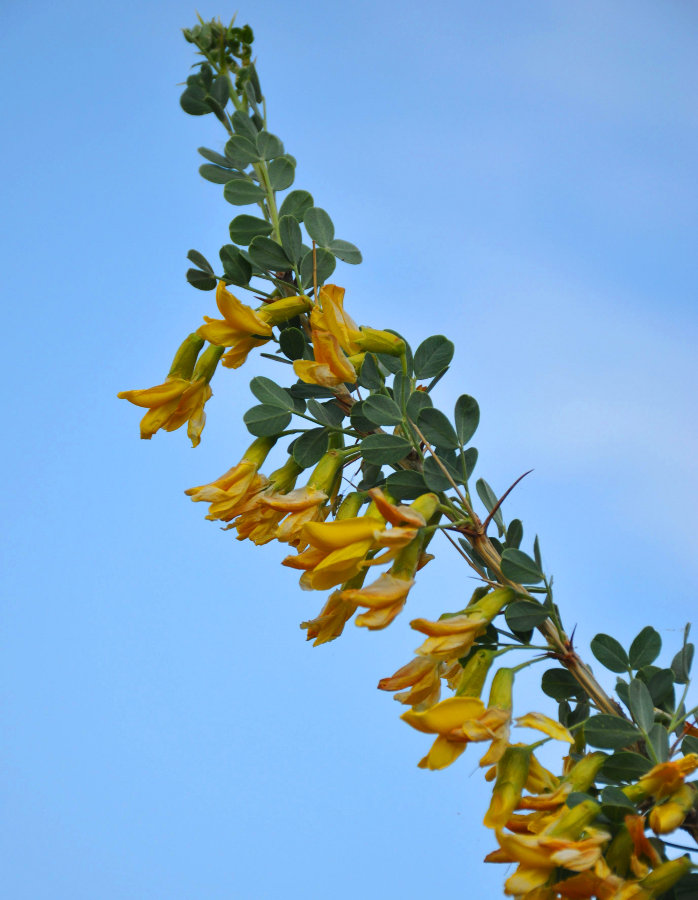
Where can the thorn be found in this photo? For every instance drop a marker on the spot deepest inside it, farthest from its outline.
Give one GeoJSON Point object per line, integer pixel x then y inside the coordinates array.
{"type": "Point", "coordinates": [502, 499]}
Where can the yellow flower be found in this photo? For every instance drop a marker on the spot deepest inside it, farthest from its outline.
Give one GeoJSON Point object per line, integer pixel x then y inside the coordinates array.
{"type": "Point", "coordinates": [386, 597]}
{"type": "Point", "coordinates": [639, 847]}
{"type": "Point", "coordinates": [337, 551]}
{"type": "Point", "coordinates": [667, 816]}
{"type": "Point", "coordinates": [182, 396]}
{"type": "Point", "coordinates": [423, 678]}
{"type": "Point", "coordinates": [254, 520]}
{"type": "Point", "coordinates": [330, 622]}
{"type": "Point", "coordinates": [545, 724]}
{"type": "Point", "coordinates": [569, 841]}
{"type": "Point", "coordinates": [453, 636]}
{"type": "Point", "coordinates": [306, 504]}
{"type": "Point", "coordinates": [241, 328]}
{"type": "Point", "coordinates": [330, 367]}
{"type": "Point", "coordinates": [459, 721]}
{"type": "Point", "coordinates": [551, 794]}
{"type": "Point", "coordinates": [227, 493]}
{"type": "Point", "coordinates": [330, 316]}
{"type": "Point", "coordinates": [598, 881]}
{"type": "Point", "coordinates": [664, 779]}
{"type": "Point", "coordinates": [303, 505]}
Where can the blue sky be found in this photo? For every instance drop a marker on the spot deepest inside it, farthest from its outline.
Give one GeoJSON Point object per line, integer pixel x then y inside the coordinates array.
{"type": "Point", "coordinates": [518, 176]}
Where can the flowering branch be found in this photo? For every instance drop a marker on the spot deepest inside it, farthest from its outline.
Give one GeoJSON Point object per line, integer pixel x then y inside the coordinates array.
{"type": "Point", "coordinates": [580, 832]}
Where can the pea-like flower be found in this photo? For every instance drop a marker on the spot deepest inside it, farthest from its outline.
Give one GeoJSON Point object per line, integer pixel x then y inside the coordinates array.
{"type": "Point", "coordinates": [243, 328]}
{"type": "Point", "coordinates": [227, 493]}
{"type": "Point", "coordinates": [182, 396]}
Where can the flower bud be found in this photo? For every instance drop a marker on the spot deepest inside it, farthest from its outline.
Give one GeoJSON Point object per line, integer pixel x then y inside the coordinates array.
{"type": "Point", "coordinates": [207, 364]}
{"type": "Point", "coordinates": [666, 875]}
{"type": "Point", "coordinates": [185, 358]}
{"type": "Point", "coordinates": [371, 340]}
{"type": "Point", "coordinates": [282, 310]}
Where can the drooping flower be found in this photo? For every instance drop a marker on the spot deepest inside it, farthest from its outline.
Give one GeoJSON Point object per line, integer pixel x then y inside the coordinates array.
{"type": "Point", "coordinates": [452, 637]}
{"type": "Point", "coordinates": [306, 504]}
{"type": "Point", "coordinates": [330, 366]}
{"type": "Point", "coordinates": [339, 549]}
{"type": "Point", "coordinates": [569, 840]}
{"type": "Point", "coordinates": [254, 520]}
{"type": "Point", "coordinates": [664, 779]}
{"type": "Point", "coordinates": [330, 621]}
{"type": "Point", "coordinates": [670, 814]}
{"type": "Point", "coordinates": [545, 724]}
{"type": "Point", "coordinates": [228, 492]}
{"type": "Point", "coordinates": [182, 396]}
{"type": "Point", "coordinates": [385, 597]}
{"type": "Point", "coordinates": [242, 327]}
{"type": "Point", "coordinates": [422, 676]}
{"type": "Point", "coordinates": [459, 721]}
{"type": "Point", "coordinates": [550, 795]}
{"type": "Point", "coordinates": [329, 315]}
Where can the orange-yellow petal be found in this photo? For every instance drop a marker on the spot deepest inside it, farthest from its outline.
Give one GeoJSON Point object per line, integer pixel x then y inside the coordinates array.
{"type": "Point", "coordinates": [546, 725]}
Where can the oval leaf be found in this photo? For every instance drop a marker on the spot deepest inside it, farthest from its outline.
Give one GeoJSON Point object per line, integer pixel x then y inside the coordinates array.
{"type": "Point", "coordinates": [610, 732]}
{"type": "Point", "coordinates": [514, 533]}
{"type": "Point", "coordinates": [319, 226]}
{"type": "Point", "coordinates": [282, 173]}
{"type": "Point", "coordinates": [625, 766]}
{"type": "Point", "coordinates": [270, 393]}
{"type": "Point", "coordinates": [436, 478]}
{"type": "Point", "coordinates": [269, 145]}
{"type": "Point", "coordinates": [267, 254]}
{"type": "Point", "coordinates": [645, 648]}
{"type": "Point", "coordinates": [236, 268]}
{"type": "Point", "coordinates": [381, 449]}
{"type": "Point", "coordinates": [524, 615]}
{"type": "Point", "coordinates": [659, 738]}
{"type": "Point", "coordinates": [610, 653]}
{"type": "Point", "coordinates": [243, 228]}
{"type": "Point", "coordinates": [416, 403]}
{"type": "Point", "coordinates": [560, 684]}
{"type": "Point", "coordinates": [406, 485]}
{"type": "Point", "coordinates": [291, 238]}
{"type": "Point", "coordinates": [216, 174]}
{"type": "Point", "coordinates": [292, 343]}
{"type": "Point", "coordinates": [325, 267]}
{"type": "Point", "coordinates": [489, 498]}
{"type": "Point", "coordinates": [241, 151]}
{"type": "Point", "coordinates": [345, 251]}
{"type": "Point", "coordinates": [296, 204]}
{"type": "Point", "coordinates": [661, 686]}
{"type": "Point", "coordinates": [240, 192]}
{"type": "Point", "coordinates": [433, 356]}
{"type": "Point", "coordinates": [640, 704]}
{"type": "Point", "coordinates": [681, 663]}
{"type": "Point", "coordinates": [382, 410]}
{"type": "Point", "coordinates": [214, 157]}
{"type": "Point", "coordinates": [519, 567]}
{"type": "Point", "coordinates": [467, 417]}
{"type": "Point", "coordinates": [243, 124]}
{"type": "Point", "coordinates": [200, 260]}
{"type": "Point", "coordinates": [309, 448]}
{"type": "Point", "coordinates": [370, 376]}
{"type": "Point", "coordinates": [265, 420]}
{"type": "Point", "coordinates": [201, 280]}
{"type": "Point", "coordinates": [436, 428]}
